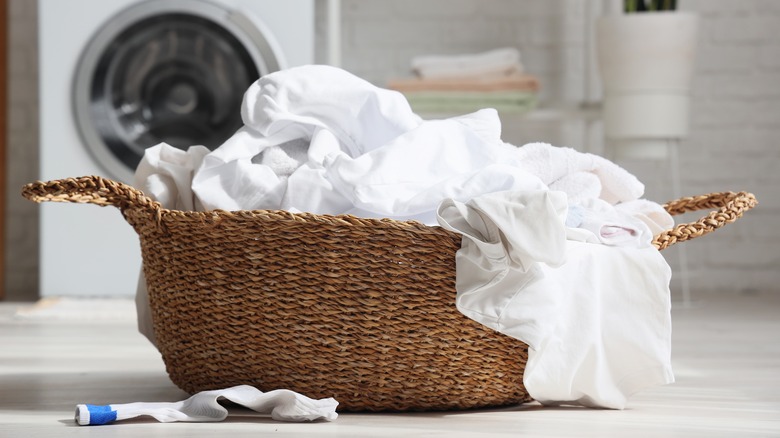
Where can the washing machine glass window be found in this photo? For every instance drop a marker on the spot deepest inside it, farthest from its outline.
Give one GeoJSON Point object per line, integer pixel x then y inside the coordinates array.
{"type": "Point", "coordinates": [165, 76]}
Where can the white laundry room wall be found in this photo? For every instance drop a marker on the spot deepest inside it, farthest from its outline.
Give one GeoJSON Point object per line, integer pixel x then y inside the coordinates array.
{"type": "Point", "coordinates": [734, 134]}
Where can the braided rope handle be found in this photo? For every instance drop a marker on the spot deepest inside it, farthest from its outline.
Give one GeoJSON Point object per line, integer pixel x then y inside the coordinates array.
{"type": "Point", "coordinates": [90, 190]}
{"type": "Point", "coordinates": [730, 207]}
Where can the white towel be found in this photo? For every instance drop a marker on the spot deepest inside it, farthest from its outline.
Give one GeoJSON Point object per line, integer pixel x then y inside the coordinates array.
{"type": "Point", "coordinates": [282, 404]}
{"type": "Point", "coordinates": [285, 158]}
{"type": "Point", "coordinates": [578, 186]}
{"type": "Point", "coordinates": [497, 62]}
{"type": "Point", "coordinates": [553, 164]}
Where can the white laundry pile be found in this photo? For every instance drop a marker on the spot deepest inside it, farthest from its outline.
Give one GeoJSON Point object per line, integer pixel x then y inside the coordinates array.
{"type": "Point", "coordinates": [367, 154]}
{"type": "Point", "coordinates": [281, 404]}
{"type": "Point", "coordinates": [318, 139]}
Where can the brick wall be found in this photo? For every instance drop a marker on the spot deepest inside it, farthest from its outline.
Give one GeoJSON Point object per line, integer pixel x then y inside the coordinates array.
{"type": "Point", "coordinates": [380, 38]}
{"type": "Point", "coordinates": [736, 102]}
{"type": "Point", "coordinates": [734, 139]}
{"type": "Point", "coordinates": [734, 132]}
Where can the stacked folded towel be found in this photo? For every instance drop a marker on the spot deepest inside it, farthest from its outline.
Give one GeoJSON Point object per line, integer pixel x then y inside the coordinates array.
{"type": "Point", "coordinates": [465, 83]}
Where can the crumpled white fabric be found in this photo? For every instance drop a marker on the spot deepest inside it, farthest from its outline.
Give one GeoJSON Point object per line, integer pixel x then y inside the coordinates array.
{"type": "Point", "coordinates": [165, 174]}
{"type": "Point", "coordinates": [506, 237]}
{"type": "Point", "coordinates": [610, 333]}
{"type": "Point", "coordinates": [651, 213]}
{"type": "Point", "coordinates": [319, 139]}
{"type": "Point", "coordinates": [282, 404]}
{"type": "Point", "coordinates": [410, 176]}
{"type": "Point", "coordinates": [614, 226]}
{"type": "Point", "coordinates": [368, 154]}
{"type": "Point", "coordinates": [371, 156]}
{"type": "Point", "coordinates": [330, 109]}
{"type": "Point", "coordinates": [596, 317]}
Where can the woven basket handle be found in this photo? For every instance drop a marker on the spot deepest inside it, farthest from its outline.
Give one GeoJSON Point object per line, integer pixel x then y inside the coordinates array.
{"type": "Point", "coordinates": [730, 207]}
{"type": "Point", "coordinates": [90, 190]}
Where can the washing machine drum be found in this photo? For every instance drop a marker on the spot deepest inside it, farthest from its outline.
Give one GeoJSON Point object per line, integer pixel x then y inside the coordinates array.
{"type": "Point", "coordinates": [166, 71]}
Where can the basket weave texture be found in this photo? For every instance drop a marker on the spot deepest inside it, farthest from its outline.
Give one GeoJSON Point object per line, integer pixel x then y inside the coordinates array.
{"type": "Point", "coordinates": [362, 310]}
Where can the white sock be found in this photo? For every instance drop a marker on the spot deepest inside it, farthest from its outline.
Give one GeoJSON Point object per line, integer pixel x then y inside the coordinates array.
{"type": "Point", "coordinates": [282, 404]}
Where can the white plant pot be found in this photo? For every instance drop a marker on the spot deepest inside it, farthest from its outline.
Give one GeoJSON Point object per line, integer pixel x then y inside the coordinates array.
{"type": "Point", "coordinates": [646, 64]}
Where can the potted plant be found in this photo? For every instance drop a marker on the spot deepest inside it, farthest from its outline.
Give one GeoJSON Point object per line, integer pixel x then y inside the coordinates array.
{"type": "Point", "coordinates": [646, 58]}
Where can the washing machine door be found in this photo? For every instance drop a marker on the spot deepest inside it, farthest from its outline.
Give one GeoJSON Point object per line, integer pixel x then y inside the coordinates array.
{"type": "Point", "coordinates": [171, 71]}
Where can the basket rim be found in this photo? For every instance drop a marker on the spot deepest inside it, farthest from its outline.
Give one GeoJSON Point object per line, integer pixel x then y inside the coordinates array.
{"type": "Point", "coordinates": [729, 206]}
{"type": "Point", "coordinates": [168, 216]}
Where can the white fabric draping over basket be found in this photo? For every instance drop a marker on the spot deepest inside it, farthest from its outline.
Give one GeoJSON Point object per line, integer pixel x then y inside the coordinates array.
{"type": "Point", "coordinates": [318, 139]}
{"type": "Point", "coordinates": [596, 317]}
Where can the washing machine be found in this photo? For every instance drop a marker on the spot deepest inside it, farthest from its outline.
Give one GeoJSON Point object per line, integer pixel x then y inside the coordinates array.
{"type": "Point", "coordinates": [119, 76]}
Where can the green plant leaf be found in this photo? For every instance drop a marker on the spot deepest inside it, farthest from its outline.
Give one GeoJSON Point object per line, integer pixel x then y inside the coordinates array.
{"type": "Point", "coordinates": [633, 6]}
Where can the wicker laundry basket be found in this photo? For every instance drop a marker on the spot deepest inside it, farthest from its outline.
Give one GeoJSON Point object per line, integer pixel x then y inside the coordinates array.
{"type": "Point", "coordinates": [331, 306]}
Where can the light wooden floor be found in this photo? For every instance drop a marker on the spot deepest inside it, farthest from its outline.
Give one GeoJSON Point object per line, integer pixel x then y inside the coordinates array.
{"type": "Point", "coordinates": [726, 358]}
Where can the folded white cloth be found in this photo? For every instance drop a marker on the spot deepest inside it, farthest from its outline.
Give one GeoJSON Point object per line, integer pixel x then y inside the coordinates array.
{"type": "Point", "coordinates": [282, 404]}
{"type": "Point", "coordinates": [597, 317]}
{"type": "Point", "coordinates": [502, 61]}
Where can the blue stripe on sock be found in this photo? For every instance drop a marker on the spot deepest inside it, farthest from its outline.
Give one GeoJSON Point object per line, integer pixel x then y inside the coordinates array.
{"type": "Point", "coordinates": [100, 414]}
